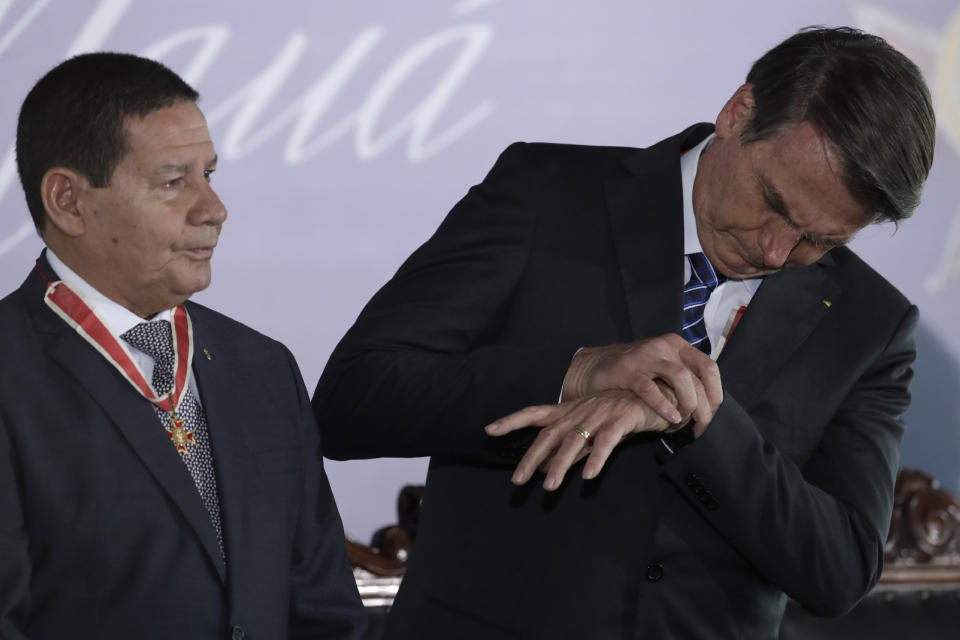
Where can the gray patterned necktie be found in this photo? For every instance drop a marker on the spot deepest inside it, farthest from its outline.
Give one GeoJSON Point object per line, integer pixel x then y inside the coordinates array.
{"type": "Point", "coordinates": [154, 339]}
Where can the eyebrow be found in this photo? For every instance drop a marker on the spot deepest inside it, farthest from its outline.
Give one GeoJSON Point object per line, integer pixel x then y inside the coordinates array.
{"type": "Point", "coordinates": [172, 168]}
{"type": "Point", "coordinates": [775, 201]}
{"type": "Point", "coordinates": [183, 168]}
{"type": "Point", "coordinates": [773, 198]}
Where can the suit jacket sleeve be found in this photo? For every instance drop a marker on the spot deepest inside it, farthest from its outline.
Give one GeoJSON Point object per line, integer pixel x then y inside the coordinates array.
{"type": "Point", "coordinates": [420, 374]}
{"type": "Point", "coordinates": [324, 602]}
{"type": "Point", "coordinates": [14, 557]}
{"type": "Point", "coordinates": [818, 531]}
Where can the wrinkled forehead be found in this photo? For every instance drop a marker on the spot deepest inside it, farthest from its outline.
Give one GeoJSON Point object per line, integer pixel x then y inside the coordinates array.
{"type": "Point", "coordinates": [175, 133]}
{"type": "Point", "coordinates": [830, 158]}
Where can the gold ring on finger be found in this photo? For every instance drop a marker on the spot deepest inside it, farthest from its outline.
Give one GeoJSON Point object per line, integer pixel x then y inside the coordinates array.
{"type": "Point", "coordinates": [583, 432]}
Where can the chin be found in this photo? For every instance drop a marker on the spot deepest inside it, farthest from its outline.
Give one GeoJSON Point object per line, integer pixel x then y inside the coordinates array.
{"type": "Point", "coordinates": [194, 282]}
{"type": "Point", "coordinates": [736, 265]}
{"type": "Point", "coordinates": [735, 269]}
{"type": "Point", "coordinates": [199, 286]}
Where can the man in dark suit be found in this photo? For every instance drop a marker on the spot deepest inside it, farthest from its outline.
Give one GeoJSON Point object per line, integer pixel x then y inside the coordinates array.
{"type": "Point", "coordinates": [140, 496]}
{"type": "Point", "coordinates": [563, 274]}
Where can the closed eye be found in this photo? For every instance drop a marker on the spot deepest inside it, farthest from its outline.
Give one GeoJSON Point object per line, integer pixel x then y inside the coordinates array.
{"type": "Point", "coordinates": [774, 201]}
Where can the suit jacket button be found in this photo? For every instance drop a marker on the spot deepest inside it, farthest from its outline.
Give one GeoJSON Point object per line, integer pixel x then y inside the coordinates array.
{"type": "Point", "coordinates": [692, 480]}
{"type": "Point", "coordinates": [236, 633]}
{"type": "Point", "coordinates": [654, 571]}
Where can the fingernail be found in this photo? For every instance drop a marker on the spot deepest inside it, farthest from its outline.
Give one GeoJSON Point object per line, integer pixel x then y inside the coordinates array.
{"type": "Point", "coordinates": [517, 478]}
{"type": "Point", "coordinates": [675, 417]}
{"type": "Point", "coordinates": [589, 473]}
{"type": "Point", "coordinates": [492, 428]}
{"type": "Point", "coordinates": [550, 483]}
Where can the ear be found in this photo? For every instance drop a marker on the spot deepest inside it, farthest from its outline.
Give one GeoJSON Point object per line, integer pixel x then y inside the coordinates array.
{"type": "Point", "coordinates": [59, 190]}
{"type": "Point", "coordinates": [736, 113]}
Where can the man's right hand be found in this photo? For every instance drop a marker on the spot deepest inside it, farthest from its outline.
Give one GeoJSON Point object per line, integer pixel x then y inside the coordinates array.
{"type": "Point", "coordinates": [636, 366]}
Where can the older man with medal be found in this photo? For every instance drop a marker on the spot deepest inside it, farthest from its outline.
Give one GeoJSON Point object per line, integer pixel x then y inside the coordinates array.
{"type": "Point", "coordinates": [160, 470]}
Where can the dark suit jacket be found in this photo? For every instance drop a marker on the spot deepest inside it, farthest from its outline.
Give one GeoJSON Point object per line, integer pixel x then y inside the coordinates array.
{"type": "Point", "coordinates": [788, 491]}
{"type": "Point", "coordinates": [102, 531]}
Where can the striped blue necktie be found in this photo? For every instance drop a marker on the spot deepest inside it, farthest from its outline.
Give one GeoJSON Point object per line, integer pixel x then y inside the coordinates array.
{"type": "Point", "coordinates": [703, 280]}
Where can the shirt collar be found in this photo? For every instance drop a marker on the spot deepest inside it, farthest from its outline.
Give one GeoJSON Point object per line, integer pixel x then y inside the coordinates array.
{"type": "Point", "coordinates": [118, 318]}
{"type": "Point", "coordinates": [689, 162]}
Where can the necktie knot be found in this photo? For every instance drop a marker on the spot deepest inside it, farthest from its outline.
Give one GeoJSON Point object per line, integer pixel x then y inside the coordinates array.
{"type": "Point", "coordinates": [153, 338]}
{"type": "Point", "coordinates": [703, 280]}
{"type": "Point", "coordinates": [703, 273]}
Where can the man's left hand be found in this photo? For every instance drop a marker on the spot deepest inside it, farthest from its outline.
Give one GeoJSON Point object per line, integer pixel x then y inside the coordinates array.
{"type": "Point", "coordinates": [606, 417]}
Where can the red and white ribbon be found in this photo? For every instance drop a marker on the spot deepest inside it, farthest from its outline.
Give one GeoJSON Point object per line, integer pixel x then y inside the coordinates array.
{"type": "Point", "coordinates": [74, 310]}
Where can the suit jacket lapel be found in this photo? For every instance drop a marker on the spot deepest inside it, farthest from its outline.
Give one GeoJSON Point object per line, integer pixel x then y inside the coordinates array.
{"type": "Point", "coordinates": [645, 206]}
{"type": "Point", "coordinates": [218, 394]}
{"type": "Point", "coordinates": [784, 311]}
{"type": "Point", "coordinates": [130, 413]}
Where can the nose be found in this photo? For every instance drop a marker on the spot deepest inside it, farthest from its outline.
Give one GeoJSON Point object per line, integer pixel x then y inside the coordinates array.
{"type": "Point", "coordinates": [208, 208]}
{"type": "Point", "coordinates": [777, 240]}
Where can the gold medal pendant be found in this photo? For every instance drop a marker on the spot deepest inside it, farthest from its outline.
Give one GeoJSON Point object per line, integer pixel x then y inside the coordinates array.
{"type": "Point", "coordinates": [180, 436]}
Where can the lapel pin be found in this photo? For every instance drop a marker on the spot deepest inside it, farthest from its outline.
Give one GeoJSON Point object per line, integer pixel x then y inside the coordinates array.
{"type": "Point", "coordinates": [826, 303]}
{"type": "Point", "coordinates": [210, 355]}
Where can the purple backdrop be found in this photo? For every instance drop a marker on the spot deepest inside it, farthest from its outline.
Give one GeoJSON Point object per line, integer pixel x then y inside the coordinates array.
{"type": "Point", "coordinates": [347, 130]}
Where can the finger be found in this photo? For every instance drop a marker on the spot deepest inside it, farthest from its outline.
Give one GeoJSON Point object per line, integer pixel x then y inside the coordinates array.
{"type": "Point", "coordinates": [571, 447]}
{"type": "Point", "coordinates": [542, 448]}
{"type": "Point", "coordinates": [526, 417]}
{"type": "Point", "coordinates": [604, 442]}
{"type": "Point", "coordinates": [545, 463]}
{"type": "Point", "coordinates": [713, 389]}
{"type": "Point", "coordinates": [708, 372]}
{"type": "Point", "coordinates": [651, 393]}
{"type": "Point", "coordinates": [703, 414]}
{"type": "Point", "coordinates": [680, 378]}
{"type": "Point", "coordinates": [675, 370]}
